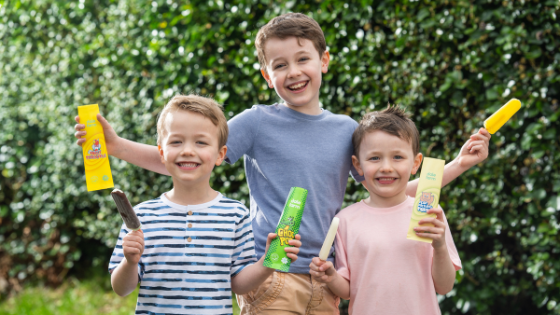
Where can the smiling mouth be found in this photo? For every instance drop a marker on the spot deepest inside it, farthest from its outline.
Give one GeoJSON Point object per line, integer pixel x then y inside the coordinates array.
{"type": "Point", "coordinates": [188, 164]}
{"type": "Point", "coordinates": [386, 180]}
{"type": "Point", "coordinates": [298, 86]}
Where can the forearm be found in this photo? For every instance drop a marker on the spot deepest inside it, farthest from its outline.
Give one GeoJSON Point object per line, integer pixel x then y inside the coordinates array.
{"type": "Point", "coordinates": [443, 271]}
{"type": "Point", "coordinates": [250, 277]}
{"type": "Point", "coordinates": [124, 278]}
{"type": "Point", "coordinates": [340, 287]}
{"type": "Point", "coordinates": [451, 171]}
{"type": "Point", "coordinates": [139, 154]}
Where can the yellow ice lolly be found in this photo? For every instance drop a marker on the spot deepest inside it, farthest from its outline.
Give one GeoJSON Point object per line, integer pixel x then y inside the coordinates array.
{"type": "Point", "coordinates": [427, 195]}
{"type": "Point", "coordinates": [327, 244]}
{"type": "Point", "coordinates": [500, 117]}
{"type": "Point", "coordinates": [96, 159]}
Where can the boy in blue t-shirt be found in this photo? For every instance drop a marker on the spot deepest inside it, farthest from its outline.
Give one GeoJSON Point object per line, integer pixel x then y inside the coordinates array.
{"type": "Point", "coordinates": [195, 245]}
{"type": "Point", "coordinates": [293, 143]}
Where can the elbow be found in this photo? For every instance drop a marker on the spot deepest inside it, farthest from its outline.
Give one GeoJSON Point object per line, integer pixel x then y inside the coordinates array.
{"type": "Point", "coordinates": [238, 290]}
{"type": "Point", "coordinates": [443, 290]}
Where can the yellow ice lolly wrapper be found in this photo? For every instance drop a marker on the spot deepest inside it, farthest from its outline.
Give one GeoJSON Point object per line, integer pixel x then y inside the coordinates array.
{"type": "Point", "coordinates": [96, 159]}
{"type": "Point", "coordinates": [500, 117]}
{"type": "Point", "coordinates": [427, 195]}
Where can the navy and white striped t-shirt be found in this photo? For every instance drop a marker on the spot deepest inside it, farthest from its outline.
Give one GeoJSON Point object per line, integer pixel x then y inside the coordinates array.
{"type": "Point", "coordinates": [190, 255]}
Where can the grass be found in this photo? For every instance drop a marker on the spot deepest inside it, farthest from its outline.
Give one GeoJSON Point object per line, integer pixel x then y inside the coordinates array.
{"type": "Point", "coordinates": [92, 296]}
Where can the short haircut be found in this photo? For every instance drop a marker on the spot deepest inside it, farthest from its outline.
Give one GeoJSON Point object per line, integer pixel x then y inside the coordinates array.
{"type": "Point", "coordinates": [287, 25]}
{"type": "Point", "coordinates": [392, 120]}
{"type": "Point", "coordinates": [204, 106]}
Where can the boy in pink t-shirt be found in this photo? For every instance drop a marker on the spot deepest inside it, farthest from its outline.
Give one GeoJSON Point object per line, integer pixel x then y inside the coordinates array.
{"type": "Point", "coordinates": [377, 267]}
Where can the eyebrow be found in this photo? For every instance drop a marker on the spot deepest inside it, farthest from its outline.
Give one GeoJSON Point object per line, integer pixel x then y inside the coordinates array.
{"type": "Point", "coordinates": [299, 52]}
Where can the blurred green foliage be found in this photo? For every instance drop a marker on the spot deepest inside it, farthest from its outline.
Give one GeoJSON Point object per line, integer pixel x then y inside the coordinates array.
{"type": "Point", "coordinates": [452, 63]}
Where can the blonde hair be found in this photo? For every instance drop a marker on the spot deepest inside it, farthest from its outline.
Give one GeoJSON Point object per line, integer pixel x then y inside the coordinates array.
{"type": "Point", "coordinates": [204, 106]}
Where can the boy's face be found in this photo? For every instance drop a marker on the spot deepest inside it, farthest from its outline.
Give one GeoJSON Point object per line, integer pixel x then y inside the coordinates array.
{"type": "Point", "coordinates": [189, 148]}
{"type": "Point", "coordinates": [295, 72]}
{"type": "Point", "coordinates": [386, 162]}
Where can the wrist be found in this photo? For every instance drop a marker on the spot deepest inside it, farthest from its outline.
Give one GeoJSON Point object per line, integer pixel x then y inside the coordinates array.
{"type": "Point", "coordinates": [116, 147]}
{"type": "Point", "coordinates": [459, 166]}
{"type": "Point", "coordinates": [440, 249]}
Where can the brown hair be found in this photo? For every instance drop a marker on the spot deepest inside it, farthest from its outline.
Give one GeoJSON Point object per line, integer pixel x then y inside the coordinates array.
{"type": "Point", "coordinates": [204, 106]}
{"type": "Point", "coordinates": [290, 25]}
{"type": "Point", "coordinates": [392, 120]}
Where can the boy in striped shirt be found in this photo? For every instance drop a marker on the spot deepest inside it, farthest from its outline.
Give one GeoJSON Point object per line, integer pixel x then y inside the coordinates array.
{"type": "Point", "coordinates": [195, 245]}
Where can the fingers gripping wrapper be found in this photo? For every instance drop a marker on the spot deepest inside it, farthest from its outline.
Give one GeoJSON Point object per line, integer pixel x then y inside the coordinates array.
{"type": "Point", "coordinates": [125, 210]}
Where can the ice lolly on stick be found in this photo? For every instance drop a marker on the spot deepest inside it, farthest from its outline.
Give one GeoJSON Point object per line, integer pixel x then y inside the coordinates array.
{"type": "Point", "coordinates": [125, 210]}
{"type": "Point", "coordinates": [326, 249]}
{"type": "Point", "coordinates": [499, 118]}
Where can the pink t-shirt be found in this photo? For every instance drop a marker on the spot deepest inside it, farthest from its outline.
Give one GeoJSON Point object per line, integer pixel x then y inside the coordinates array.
{"type": "Point", "coordinates": [388, 273]}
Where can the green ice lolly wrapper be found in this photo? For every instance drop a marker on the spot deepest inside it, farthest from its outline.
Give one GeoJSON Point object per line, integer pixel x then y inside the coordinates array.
{"type": "Point", "coordinates": [287, 228]}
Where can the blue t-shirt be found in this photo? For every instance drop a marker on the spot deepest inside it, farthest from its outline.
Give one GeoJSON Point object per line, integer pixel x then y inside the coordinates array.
{"type": "Point", "coordinates": [190, 254]}
{"type": "Point", "coordinates": [284, 148]}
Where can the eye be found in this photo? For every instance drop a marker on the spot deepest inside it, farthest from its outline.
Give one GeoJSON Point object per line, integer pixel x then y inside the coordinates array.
{"type": "Point", "coordinates": [175, 142]}
{"type": "Point", "coordinates": [398, 157]}
{"type": "Point", "coordinates": [201, 142]}
{"type": "Point", "coordinates": [278, 66]}
{"type": "Point", "coordinates": [374, 158]}
{"type": "Point", "coordinates": [303, 59]}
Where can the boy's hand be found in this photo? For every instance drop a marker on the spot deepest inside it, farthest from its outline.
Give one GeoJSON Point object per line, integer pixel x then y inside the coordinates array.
{"type": "Point", "coordinates": [133, 246]}
{"type": "Point", "coordinates": [475, 150]}
{"type": "Point", "coordinates": [436, 232]}
{"type": "Point", "coordinates": [291, 252]}
{"type": "Point", "coordinates": [111, 137]}
{"type": "Point", "coordinates": [322, 271]}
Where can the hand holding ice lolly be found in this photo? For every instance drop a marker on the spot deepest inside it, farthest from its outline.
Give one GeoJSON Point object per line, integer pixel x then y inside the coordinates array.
{"type": "Point", "coordinates": [326, 249]}
{"type": "Point", "coordinates": [125, 210]}
{"type": "Point", "coordinates": [500, 117]}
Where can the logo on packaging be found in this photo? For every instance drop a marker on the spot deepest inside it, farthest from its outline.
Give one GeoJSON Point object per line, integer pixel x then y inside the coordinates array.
{"type": "Point", "coordinates": [95, 152]}
{"type": "Point", "coordinates": [426, 201]}
{"type": "Point", "coordinates": [285, 234]}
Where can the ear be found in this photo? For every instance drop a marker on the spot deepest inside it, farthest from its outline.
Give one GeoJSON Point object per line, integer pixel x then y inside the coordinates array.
{"type": "Point", "coordinates": [417, 162]}
{"type": "Point", "coordinates": [221, 155]}
{"type": "Point", "coordinates": [325, 59]}
{"type": "Point", "coordinates": [267, 78]}
{"type": "Point", "coordinates": [356, 164]}
{"type": "Point", "coordinates": [161, 156]}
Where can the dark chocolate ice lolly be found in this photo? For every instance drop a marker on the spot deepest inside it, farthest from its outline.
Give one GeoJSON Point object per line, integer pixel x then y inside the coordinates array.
{"type": "Point", "coordinates": [125, 209]}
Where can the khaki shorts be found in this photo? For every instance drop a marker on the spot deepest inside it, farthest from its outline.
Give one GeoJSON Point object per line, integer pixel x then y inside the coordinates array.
{"type": "Point", "coordinates": [289, 293]}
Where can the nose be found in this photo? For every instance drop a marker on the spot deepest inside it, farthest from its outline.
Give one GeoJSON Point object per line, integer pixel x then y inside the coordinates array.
{"type": "Point", "coordinates": [294, 72]}
{"type": "Point", "coordinates": [386, 166]}
{"type": "Point", "coordinates": [188, 149]}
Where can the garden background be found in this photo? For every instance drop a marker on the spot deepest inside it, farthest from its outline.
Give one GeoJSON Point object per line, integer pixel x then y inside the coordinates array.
{"type": "Point", "coordinates": [451, 63]}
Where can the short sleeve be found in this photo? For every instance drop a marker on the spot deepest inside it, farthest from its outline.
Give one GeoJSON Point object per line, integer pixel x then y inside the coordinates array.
{"type": "Point", "coordinates": [340, 256]}
{"type": "Point", "coordinates": [244, 249]}
{"type": "Point", "coordinates": [451, 249]}
{"type": "Point", "coordinates": [242, 129]}
{"type": "Point", "coordinates": [118, 254]}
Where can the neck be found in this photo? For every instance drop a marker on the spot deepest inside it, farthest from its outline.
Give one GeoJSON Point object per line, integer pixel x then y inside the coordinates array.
{"type": "Point", "coordinates": [191, 194]}
{"type": "Point", "coordinates": [376, 201]}
{"type": "Point", "coordinates": [311, 108]}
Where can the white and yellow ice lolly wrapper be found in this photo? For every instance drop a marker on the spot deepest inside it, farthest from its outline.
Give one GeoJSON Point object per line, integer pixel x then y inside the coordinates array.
{"type": "Point", "coordinates": [96, 159]}
{"type": "Point", "coordinates": [427, 195]}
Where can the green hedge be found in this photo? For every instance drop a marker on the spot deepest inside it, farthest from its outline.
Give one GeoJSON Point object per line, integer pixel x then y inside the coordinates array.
{"type": "Point", "coordinates": [452, 63]}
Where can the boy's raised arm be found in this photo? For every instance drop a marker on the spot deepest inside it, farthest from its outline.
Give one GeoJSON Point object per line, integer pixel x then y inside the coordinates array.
{"type": "Point", "coordinates": [143, 155]}
{"type": "Point", "coordinates": [474, 151]}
